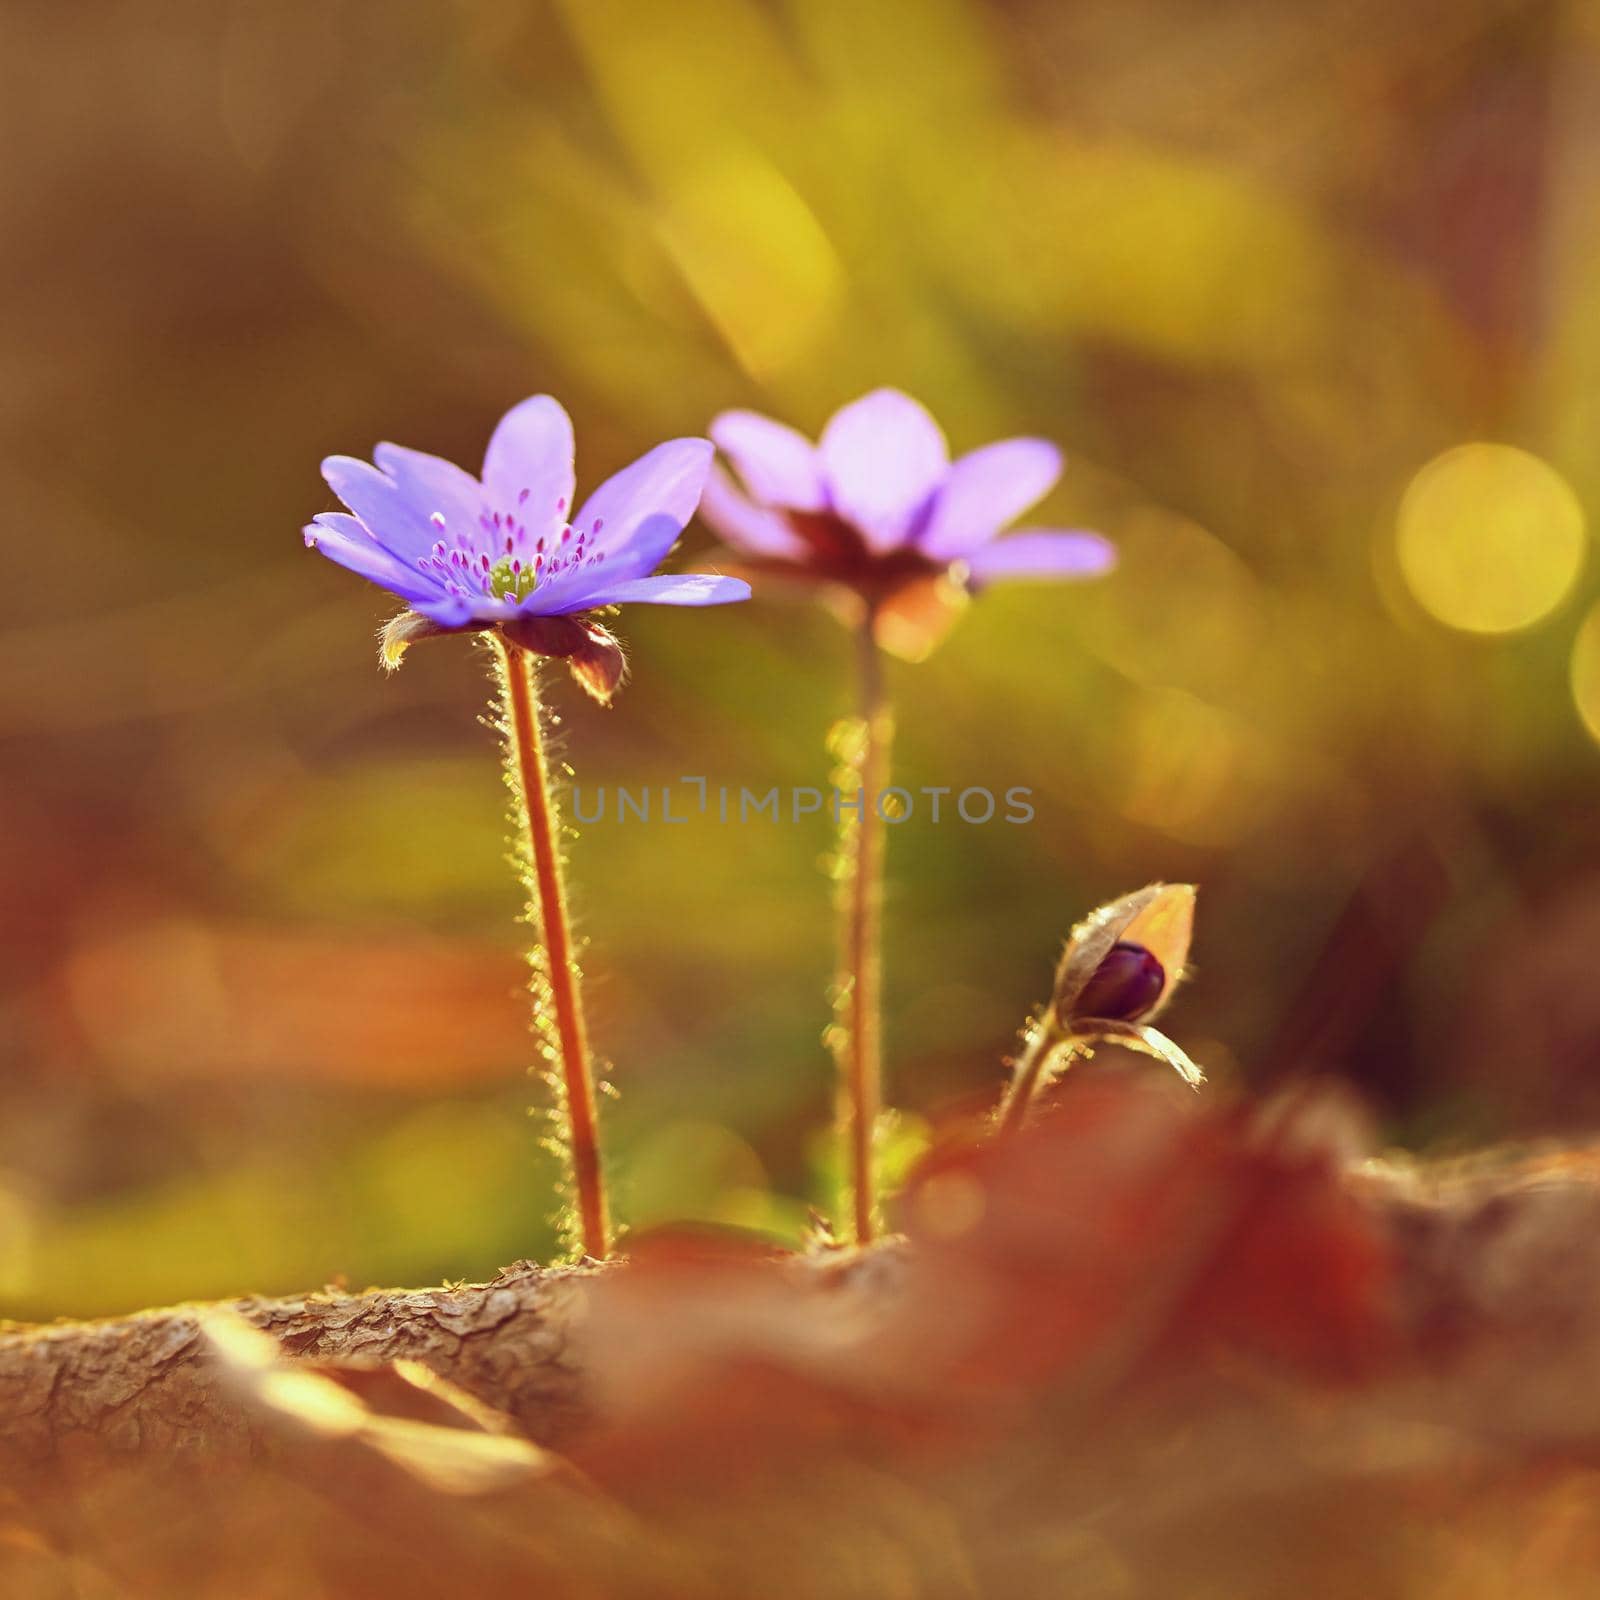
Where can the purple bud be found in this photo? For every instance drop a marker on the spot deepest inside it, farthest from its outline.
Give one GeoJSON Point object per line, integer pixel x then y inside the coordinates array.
{"type": "Point", "coordinates": [1124, 986]}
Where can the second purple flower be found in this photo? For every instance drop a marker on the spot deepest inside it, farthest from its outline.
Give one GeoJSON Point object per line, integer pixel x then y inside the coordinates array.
{"type": "Point", "coordinates": [878, 516]}
{"type": "Point", "coordinates": [877, 508]}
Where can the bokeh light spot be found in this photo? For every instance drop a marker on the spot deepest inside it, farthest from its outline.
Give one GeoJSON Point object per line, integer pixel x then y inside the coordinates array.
{"type": "Point", "coordinates": [1586, 672]}
{"type": "Point", "coordinates": [1490, 538]}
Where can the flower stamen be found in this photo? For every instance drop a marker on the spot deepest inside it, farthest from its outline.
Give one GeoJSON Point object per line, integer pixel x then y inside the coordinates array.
{"type": "Point", "coordinates": [509, 579]}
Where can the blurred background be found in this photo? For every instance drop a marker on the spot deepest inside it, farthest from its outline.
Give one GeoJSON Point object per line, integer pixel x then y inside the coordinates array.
{"type": "Point", "coordinates": [1310, 295]}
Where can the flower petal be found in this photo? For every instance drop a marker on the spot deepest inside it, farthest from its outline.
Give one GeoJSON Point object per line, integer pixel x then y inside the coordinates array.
{"type": "Point", "coordinates": [674, 589]}
{"type": "Point", "coordinates": [346, 540]}
{"type": "Point", "coordinates": [532, 449]}
{"type": "Point", "coordinates": [457, 611]}
{"type": "Point", "coordinates": [665, 482]}
{"type": "Point", "coordinates": [433, 484]}
{"type": "Point", "coordinates": [394, 514]}
{"type": "Point", "coordinates": [882, 456]}
{"type": "Point", "coordinates": [746, 526]}
{"type": "Point", "coordinates": [1036, 554]}
{"type": "Point", "coordinates": [985, 491]}
{"type": "Point", "coordinates": [779, 466]}
{"type": "Point", "coordinates": [651, 544]}
{"type": "Point", "coordinates": [570, 591]}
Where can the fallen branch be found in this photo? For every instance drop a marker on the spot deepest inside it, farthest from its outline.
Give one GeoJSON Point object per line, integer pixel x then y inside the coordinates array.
{"type": "Point", "coordinates": [1492, 1258]}
{"type": "Point", "coordinates": [147, 1381]}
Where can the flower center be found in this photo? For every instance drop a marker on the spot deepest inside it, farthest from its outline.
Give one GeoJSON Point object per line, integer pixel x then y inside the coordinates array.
{"type": "Point", "coordinates": [499, 559]}
{"type": "Point", "coordinates": [510, 580]}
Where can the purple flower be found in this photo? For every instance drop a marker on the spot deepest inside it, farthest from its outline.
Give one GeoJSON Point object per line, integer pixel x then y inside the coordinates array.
{"type": "Point", "coordinates": [877, 507]}
{"type": "Point", "coordinates": [507, 551]}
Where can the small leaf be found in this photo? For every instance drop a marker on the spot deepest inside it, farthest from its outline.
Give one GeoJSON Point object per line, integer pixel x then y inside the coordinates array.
{"type": "Point", "coordinates": [401, 632]}
{"type": "Point", "coordinates": [599, 664]}
{"type": "Point", "coordinates": [594, 656]}
{"type": "Point", "coordinates": [1147, 1041]}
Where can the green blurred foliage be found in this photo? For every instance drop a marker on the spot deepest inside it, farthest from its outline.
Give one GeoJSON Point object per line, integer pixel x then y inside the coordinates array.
{"type": "Point", "coordinates": [1254, 266]}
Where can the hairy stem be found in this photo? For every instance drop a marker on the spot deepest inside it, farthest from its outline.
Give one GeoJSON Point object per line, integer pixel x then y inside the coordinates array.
{"type": "Point", "coordinates": [1044, 1039]}
{"type": "Point", "coordinates": [859, 1043]}
{"type": "Point", "coordinates": [531, 778]}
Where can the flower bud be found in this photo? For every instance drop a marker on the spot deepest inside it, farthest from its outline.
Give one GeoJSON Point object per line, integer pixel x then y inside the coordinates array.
{"type": "Point", "coordinates": [1123, 961]}
{"type": "Point", "coordinates": [1126, 985]}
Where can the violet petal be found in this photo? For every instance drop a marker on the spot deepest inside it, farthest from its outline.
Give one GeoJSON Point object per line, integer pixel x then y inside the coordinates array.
{"type": "Point", "coordinates": [453, 611]}
{"type": "Point", "coordinates": [744, 525]}
{"type": "Point", "coordinates": [392, 514]}
{"type": "Point", "coordinates": [664, 482]}
{"type": "Point", "coordinates": [1039, 554]}
{"type": "Point", "coordinates": [569, 591]}
{"type": "Point", "coordinates": [778, 465]}
{"type": "Point", "coordinates": [532, 449]}
{"type": "Point", "coordinates": [882, 457]}
{"type": "Point", "coordinates": [434, 486]}
{"type": "Point", "coordinates": [346, 540]}
{"type": "Point", "coordinates": [986, 491]}
{"type": "Point", "coordinates": [674, 589]}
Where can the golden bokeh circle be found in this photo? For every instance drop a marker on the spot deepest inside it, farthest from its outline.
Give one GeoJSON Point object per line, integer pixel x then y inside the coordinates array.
{"type": "Point", "coordinates": [1489, 538]}
{"type": "Point", "coordinates": [1586, 672]}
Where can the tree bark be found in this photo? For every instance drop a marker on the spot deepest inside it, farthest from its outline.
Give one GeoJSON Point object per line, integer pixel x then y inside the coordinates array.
{"type": "Point", "coordinates": [147, 1381]}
